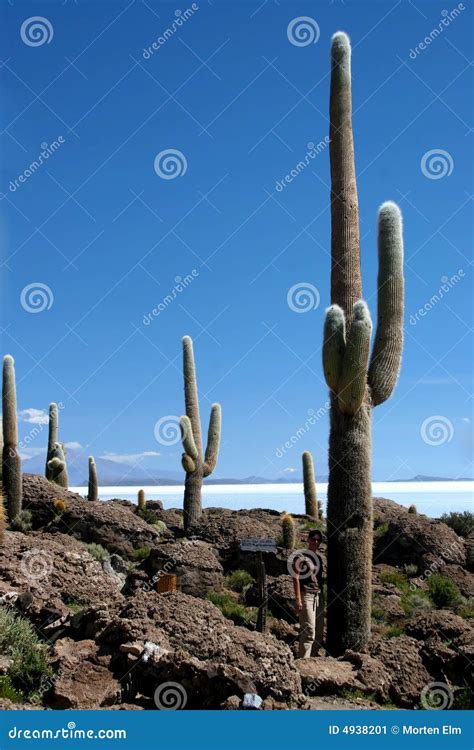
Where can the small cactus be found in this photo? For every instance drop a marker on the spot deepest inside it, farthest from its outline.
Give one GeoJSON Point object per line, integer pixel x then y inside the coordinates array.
{"type": "Point", "coordinates": [412, 509]}
{"type": "Point", "coordinates": [57, 467]}
{"type": "Point", "coordinates": [288, 531]}
{"type": "Point", "coordinates": [11, 461]}
{"type": "Point", "coordinates": [59, 506]}
{"type": "Point", "coordinates": [309, 483]}
{"type": "Point", "coordinates": [93, 486]}
{"type": "Point", "coordinates": [141, 501]}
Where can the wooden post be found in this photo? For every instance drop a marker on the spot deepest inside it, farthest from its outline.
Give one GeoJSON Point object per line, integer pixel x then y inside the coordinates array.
{"type": "Point", "coordinates": [262, 594]}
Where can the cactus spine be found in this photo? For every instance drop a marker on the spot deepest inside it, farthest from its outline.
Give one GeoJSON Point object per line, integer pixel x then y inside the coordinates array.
{"type": "Point", "coordinates": [309, 484]}
{"type": "Point", "coordinates": [93, 485]}
{"type": "Point", "coordinates": [288, 531]}
{"type": "Point", "coordinates": [57, 467]}
{"type": "Point", "coordinates": [52, 437]}
{"type": "Point", "coordinates": [11, 462]}
{"type": "Point", "coordinates": [356, 384]}
{"type": "Point", "coordinates": [141, 500]}
{"type": "Point", "coordinates": [196, 466]}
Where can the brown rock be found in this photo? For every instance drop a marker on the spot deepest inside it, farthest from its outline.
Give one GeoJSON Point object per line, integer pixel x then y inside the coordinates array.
{"type": "Point", "coordinates": [194, 562]}
{"type": "Point", "coordinates": [83, 679]}
{"type": "Point", "coordinates": [402, 659]}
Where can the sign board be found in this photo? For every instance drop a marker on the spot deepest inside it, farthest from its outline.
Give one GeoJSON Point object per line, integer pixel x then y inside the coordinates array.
{"type": "Point", "coordinates": [255, 544]}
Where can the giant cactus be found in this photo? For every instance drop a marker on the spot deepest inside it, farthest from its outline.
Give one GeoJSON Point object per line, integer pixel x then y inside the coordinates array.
{"type": "Point", "coordinates": [53, 426]}
{"type": "Point", "coordinates": [11, 461]}
{"type": "Point", "coordinates": [357, 383]}
{"type": "Point", "coordinates": [309, 484]}
{"type": "Point", "coordinates": [2, 520]}
{"type": "Point", "coordinates": [57, 467]}
{"type": "Point", "coordinates": [196, 466]}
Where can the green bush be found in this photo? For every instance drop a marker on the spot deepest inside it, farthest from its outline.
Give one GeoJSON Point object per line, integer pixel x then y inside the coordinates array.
{"type": "Point", "coordinates": [8, 691]}
{"type": "Point", "coordinates": [231, 608]}
{"type": "Point", "coordinates": [414, 603]}
{"type": "Point", "coordinates": [378, 614]}
{"type": "Point", "coordinates": [394, 577]}
{"type": "Point", "coordinates": [410, 570]}
{"type": "Point", "coordinates": [380, 529]}
{"type": "Point", "coordinates": [466, 608]}
{"type": "Point", "coordinates": [29, 669]}
{"type": "Point", "coordinates": [140, 553]}
{"type": "Point", "coordinates": [461, 523]}
{"type": "Point", "coordinates": [238, 580]}
{"type": "Point", "coordinates": [393, 631]}
{"type": "Point", "coordinates": [443, 591]}
{"type": "Point", "coordinates": [98, 552]}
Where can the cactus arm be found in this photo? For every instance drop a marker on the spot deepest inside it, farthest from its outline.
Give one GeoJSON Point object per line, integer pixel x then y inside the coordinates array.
{"type": "Point", "coordinates": [387, 348]}
{"type": "Point", "coordinates": [57, 467]}
{"type": "Point", "coordinates": [346, 284]}
{"type": "Point", "coordinates": [187, 438]}
{"type": "Point", "coordinates": [213, 440]}
{"type": "Point", "coordinates": [352, 385]}
{"type": "Point", "coordinates": [309, 484]}
{"type": "Point", "coordinates": [191, 393]}
{"type": "Point", "coordinates": [334, 344]}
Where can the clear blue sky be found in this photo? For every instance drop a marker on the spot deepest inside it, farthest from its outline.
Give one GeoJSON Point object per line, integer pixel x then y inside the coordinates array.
{"type": "Point", "coordinates": [108, 236]}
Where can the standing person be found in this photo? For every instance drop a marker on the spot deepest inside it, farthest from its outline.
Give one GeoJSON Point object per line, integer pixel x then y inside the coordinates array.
{"type": "Point", "coordinates": [308, 594]}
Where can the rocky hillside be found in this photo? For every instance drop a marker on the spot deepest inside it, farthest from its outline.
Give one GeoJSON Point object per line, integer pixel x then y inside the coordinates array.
{"type": "Point", "coordinates": [82, 626]}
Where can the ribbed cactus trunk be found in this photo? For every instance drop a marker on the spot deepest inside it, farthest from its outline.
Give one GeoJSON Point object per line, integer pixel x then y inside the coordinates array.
{"type": "Point", "coordinates": [309, 485]}
{"type": "Point", "coordinates": [93, 485]}
{"type": "Point", "coordinates": [11, 462]}
{"type": "Point", "coordinates": [53, 425]}
{"type": "Point", "coordinates": [2, 520]}
{"type": "Point", "coordinates": [196, 466]}
{"type": "Point", "coordinates": [57, 467]}
{"type": "Point", "coordinates": [355, 385]}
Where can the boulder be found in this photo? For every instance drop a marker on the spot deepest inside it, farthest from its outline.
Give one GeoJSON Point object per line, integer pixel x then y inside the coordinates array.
{"type": "Point", "coordinates": [414, 539]}
{"type": "Point", "coordinates": [112, 524]}
{"type": "Point", "coordinates": [49, 575]}
{"type": "Point", "coordinates": [82, 677]}
{"type": "Point", "coordinates": [327, 676]}
{"type": "Point", "coordinates": [402, 659]}
{"type": "Point", "coordinates": [194, 562]}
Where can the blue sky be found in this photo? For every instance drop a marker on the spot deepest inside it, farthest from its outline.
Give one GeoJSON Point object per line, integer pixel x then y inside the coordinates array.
{"type": "Point", "coordinates": [107, 236]}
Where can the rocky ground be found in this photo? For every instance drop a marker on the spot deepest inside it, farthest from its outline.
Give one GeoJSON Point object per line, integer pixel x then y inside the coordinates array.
{"type": "Point", "coordinates": [100, 636]}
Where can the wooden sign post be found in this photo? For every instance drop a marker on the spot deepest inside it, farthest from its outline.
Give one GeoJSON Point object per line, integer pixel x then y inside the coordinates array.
{"type": "Point", "coordinates": [259, 546]}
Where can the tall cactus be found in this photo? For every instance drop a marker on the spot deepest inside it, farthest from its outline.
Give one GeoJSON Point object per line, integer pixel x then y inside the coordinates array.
{"type": "Point", "coordinates": [2, 520]}
{"type": "Point", "coordinates": [288, 531]}
{"type": "Point", "coordinates": [11, 461]}
{"type": "Point", "coordinates": [356, 383]}
{"type": "Point", "coordinates": [309, 485]}
{"type": "Point", "coordinates": [53, 427]}
{"type": "Point", "coordinates": [57, 467]}
{"type": "Point", "coordinates": [196, 466]}
{"type": "Point", "coordinates": [93, 485]}
{"type": "Point", "coordinates": [141, 501]}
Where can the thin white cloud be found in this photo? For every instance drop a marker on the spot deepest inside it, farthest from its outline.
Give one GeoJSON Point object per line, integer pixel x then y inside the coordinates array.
{"type": "Point", "coordinates": [73, 446]}
{"type": "Point", "coordinates": [289, 470]}
{"type": "Point", "coordinates": [27, 453]}
{"type": "Point", "coordinates": [128, 458]}
{"type": "Point", "coordinates": [33, 416]}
